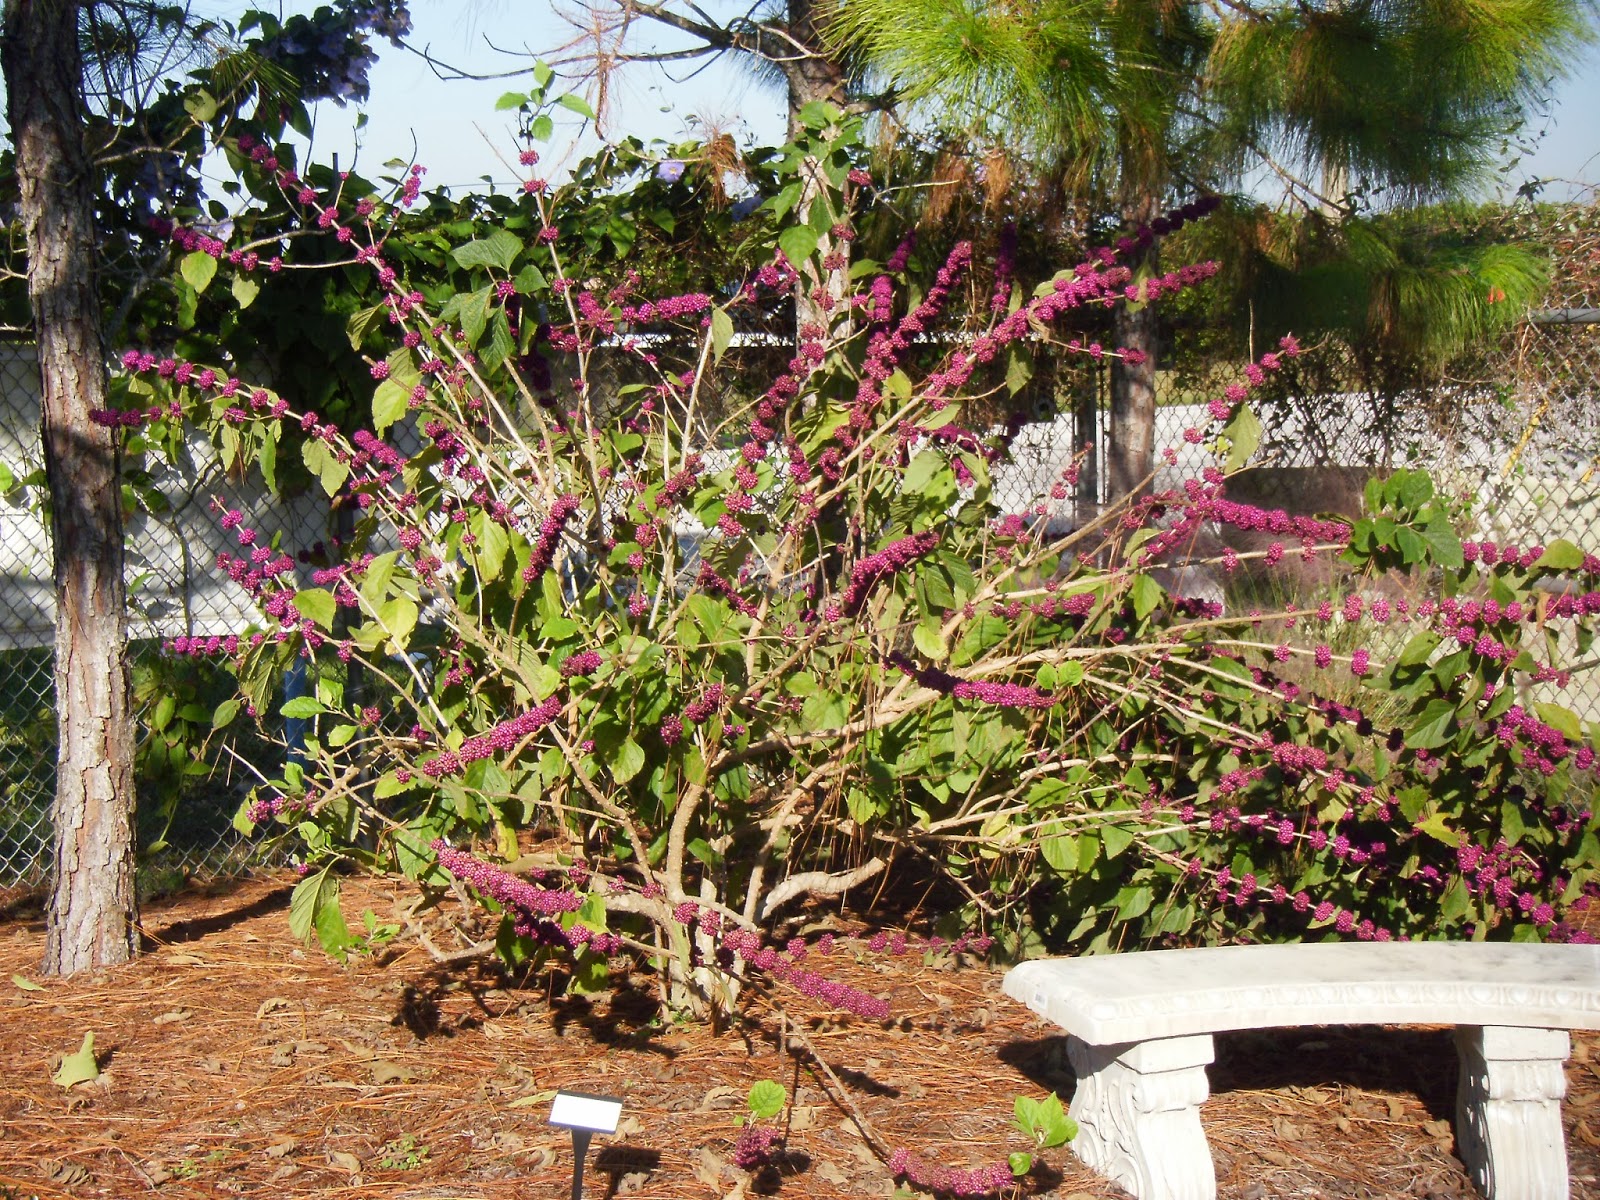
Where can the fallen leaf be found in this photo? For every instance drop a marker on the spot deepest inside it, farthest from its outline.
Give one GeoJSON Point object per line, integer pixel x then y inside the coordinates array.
{"type": "Point", "coordinates": [718, 1097]}
{"type": "Point", "coordinates": [345, 1162]}
{"type": "Point", "coordinates": [280, 1148]}
{"type": "Point", "coordinates": [803, 1117]}
{"type": "Point", "coordinates": [629, 1127]}
{"type": "Point", "coordinates": [494, 1033]}
{"type": "Point", "coordinates": [188, 960]}
{"type": "Point", "coordinates": [271, 1004]}
{"type": "Point", "coordinates": [1397, 1111]}
{"type": "Point", "coordinates": [1587, 1134]}
{"type": "Point", "coordinates": [68, 1173]}
{"type": "Point", "coordinates": [1436, 1129]}
{"type": "Point", "coordinates": [311, 1047]}
{"type": "Point", "coordinates": [708, 1168]}
{"type": "Point", "coordinates": [170, 1018]}
{"type": "Point", "coordinates": [543, 1097]}
{"type": "Point", "coordinates": [27, 985]}
{"type": "Point", "coordinates": [1343, 1123]}
{"type": "Point", "coordinates": [384, 1071]}
{"type": "Point", "coordinates": [80, 1067]}
{"type": "Point", "coordinates": [212, 1066]}
{"type": "Point", "coordinates": [1313, 1095]}
{"type": "Point", "coordinates": [1277, 1157]}
{"type": "Point", "coordinates": [828, 1171]}
{"type": "Point", "coordinates": [1286, 1130]}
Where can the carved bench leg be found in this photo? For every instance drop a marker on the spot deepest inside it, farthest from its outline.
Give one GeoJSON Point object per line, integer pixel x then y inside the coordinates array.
{"type": "Point", "coordinates": [1508, 1110]}
{"type": "Point", "coordinates": [1138, 1113]}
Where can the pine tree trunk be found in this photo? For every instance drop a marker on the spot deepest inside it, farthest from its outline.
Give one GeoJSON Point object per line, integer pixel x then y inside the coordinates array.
{"type": "Point", "coordinates": [819, 293]}
{"type": "Point", "coordinates": [91, 918]}
{"type": "Point", "coordinates": [1130, 453]}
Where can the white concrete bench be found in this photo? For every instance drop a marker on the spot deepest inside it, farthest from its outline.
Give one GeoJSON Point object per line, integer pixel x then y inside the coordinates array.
{"type": "Point", "coordinates": [1140, 1027]}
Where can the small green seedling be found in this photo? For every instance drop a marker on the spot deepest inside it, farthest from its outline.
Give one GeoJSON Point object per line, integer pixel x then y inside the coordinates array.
{"type": "Point", "coordinates": [1046, 1122]}
{"type": "Point", "coordinates": [404, 1153]}
{"type": "Point", "coordinates": [377, 935]}
{"type": "Point", "coordinates": [767, 1099]}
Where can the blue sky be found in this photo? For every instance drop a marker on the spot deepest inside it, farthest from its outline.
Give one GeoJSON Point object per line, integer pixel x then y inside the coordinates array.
{"type": "Point", "coordinates": [457, 130]}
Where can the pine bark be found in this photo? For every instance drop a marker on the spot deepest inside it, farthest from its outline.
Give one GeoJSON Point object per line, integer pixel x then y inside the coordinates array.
{"type": "Point", "coordinates": [1130, 453]}
{"type": "Point", "coordinates": [91, 921]}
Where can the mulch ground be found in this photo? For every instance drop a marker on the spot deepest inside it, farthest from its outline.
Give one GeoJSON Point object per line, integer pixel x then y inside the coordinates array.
{"type": "Point", "coordinates": [236, 1062]}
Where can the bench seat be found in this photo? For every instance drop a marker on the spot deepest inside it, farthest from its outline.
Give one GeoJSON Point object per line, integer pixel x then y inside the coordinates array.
{"type": "Point", "coordinates": [1139, 1029]}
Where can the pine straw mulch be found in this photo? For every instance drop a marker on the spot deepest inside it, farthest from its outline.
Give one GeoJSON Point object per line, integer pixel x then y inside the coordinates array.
{"type": "Point", "coordinates": [235, 1062]}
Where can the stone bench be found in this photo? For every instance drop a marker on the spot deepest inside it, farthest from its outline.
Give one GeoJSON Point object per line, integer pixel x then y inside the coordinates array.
{"type": "Point", "coordinates": [1139, 1031]}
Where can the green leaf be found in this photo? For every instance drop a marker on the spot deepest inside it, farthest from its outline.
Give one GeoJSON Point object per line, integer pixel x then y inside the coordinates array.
{"type": "Point", "coordinates": [317, 604]}
{"type": "Point", "coordinates": [1019, 1163]}
{"type": "Point", "coordinates": [322, 462]}
{"type": "Point", "coordinates": [340, 735]}
{"type": "Point", "coordinates": [1433, 726]}
{"type": "Point", "coordinates": [798, 243]}
{"type": "Point", "coordinates": [490, 551]}
{"type": "Point", "coordinates": [1437, 828]}
{"type": "Point", "coordinates": [314, 911]}
{"type": "Point", "coordinates": [542, 128]}
{"type": "Point", "coordinates": [267, 459]}
{"type": "Point", "coordinates": [510, 100]}
{"type": "Point", "coordinates": [375, 583]}
{"type": "Point", "coordinates": [24, 984]}
{"type": "Point", "coordinates": [360, 322]}
{"type": "Point", "coordinates": [389, 404]}
{"type": "Point", "coordinates": [1244, 435]}
{"type": "Point", "coordinates": [576, 104]}
{"type": "Point", "coordinates": [77, 1068]}
{"type": "Point", "coordinates": [245, 290]}
{"type": "Point", "coordinates": [1146, 594]}
{"type": "Point", "coordinates": [1116, 839]}
{"type": "Point", "coordinates": [920, 472]}
{"type": "Point", "coordinates": [1560, 555]}
{"type": "Point", "coordinates": [302, 707]}
{"type": "Point", "coordinates": [198, 270]}
{"type": "Point", "coordinates": [767, 1098]}
{"type": "Point", "coordinates": [929, 640]}
{"type": "Point", "coordinates": [1443, 541]}
{"type": "Point", "coordinates": [224, 714]}
{"type": "Point", "coordinates": [721, 333]}
{"type": "Point", "coordinates": [1419, 649]}
{"type": "Point", "coordinates": [399, 617]}
{"type": "Point", "coordinates": [1019, 370]}
{"type": "Point", "coordinates": [499, 249]}
{"type": "Point", "coordinates": [629, 761]}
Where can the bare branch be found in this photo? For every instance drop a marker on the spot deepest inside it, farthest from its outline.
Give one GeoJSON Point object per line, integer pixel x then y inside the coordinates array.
{"type": "Point", "coordinates": [817, 884]}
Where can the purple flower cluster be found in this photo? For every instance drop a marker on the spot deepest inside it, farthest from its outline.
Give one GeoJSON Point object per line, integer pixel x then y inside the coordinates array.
{"type": "Point", "coordinates": [503, 737]}
{"type": "Point", "coordinates": [872, 569]}
{"type": "Point", "coordinates": [544, 548]}
{"type": "Point", "coordinates": [756, 1145]}
{"type": "Point", "coordinates": [1003, 695]}
{"type": "Point", "coordinates": [535, 908]}
{"type": "Point", "coordinates": [954, 1181]}
{"type": "Point", "coordinates": [585, 662]}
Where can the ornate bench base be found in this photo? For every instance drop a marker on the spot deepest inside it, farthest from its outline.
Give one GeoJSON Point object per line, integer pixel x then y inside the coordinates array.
{"type": "Point", "coordinates": [1138, 1110]}
{"type": "Point", "coordinates": [1508, 1110]}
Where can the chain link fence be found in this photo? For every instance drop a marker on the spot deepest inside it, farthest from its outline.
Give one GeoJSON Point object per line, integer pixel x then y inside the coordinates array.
{"type": "Point", "coordinates": [185, 806]}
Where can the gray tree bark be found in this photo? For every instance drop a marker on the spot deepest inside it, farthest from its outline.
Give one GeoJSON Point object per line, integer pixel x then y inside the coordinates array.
{"type": "Point", "coordinates": [1130, 453]}
{"type": "Point", "coordinates": [91, 917]}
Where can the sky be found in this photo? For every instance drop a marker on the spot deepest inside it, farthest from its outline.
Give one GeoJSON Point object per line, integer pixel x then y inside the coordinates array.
{"type": "Point", "coordinates": [457, 133]}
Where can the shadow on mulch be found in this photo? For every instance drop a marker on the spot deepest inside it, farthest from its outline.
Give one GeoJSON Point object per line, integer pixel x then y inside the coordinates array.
{"type": "Point", "coordinates": [192, 929]}
{"type": "Point", "coordinates": [1371, 1058]}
